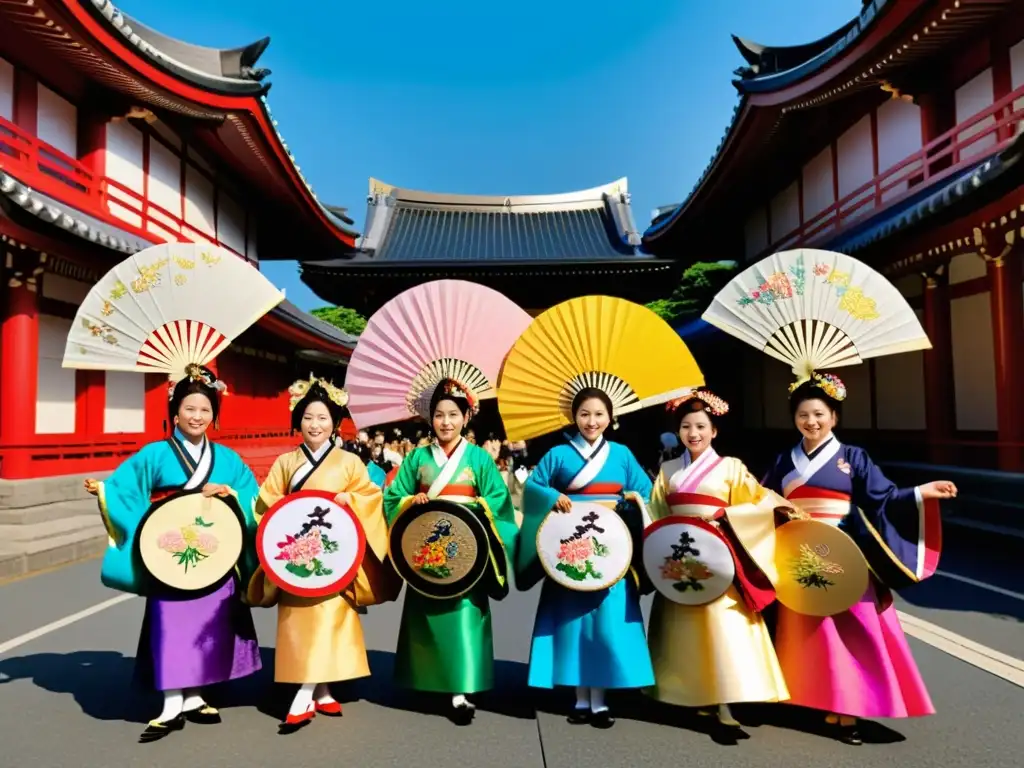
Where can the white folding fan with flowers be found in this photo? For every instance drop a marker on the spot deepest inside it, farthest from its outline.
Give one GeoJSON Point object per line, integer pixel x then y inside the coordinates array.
{"type": "Point", "coordinates": [815, 309]}
{"type": "Point", "coordinates": [168, 308]}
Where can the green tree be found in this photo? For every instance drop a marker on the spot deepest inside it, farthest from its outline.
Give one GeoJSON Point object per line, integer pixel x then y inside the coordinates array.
{"type": "Point", "coordinates": [344, 318]}
{"type": "Point", "coordinates": [697, 287]}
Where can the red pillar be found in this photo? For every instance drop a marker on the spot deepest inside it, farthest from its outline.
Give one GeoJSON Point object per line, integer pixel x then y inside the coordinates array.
{"type": "Point", "coordinates": [940, 406]}
{"type": "Point", "coordinates": [19, 362]}
{"type": "Point", "coordinates": [1008, 341]}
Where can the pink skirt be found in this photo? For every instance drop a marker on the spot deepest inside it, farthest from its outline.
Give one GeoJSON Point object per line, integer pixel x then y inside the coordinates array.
{"type": "Point", "coordinates": [856, 663]}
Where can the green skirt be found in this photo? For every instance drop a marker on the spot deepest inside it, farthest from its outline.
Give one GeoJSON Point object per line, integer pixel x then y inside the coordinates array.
{"type": "Point", "coordinates": [446, 646]}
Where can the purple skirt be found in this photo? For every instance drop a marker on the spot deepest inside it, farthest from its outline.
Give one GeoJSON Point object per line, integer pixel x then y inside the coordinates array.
{"type": "Point", "coordinates": [195, 642]}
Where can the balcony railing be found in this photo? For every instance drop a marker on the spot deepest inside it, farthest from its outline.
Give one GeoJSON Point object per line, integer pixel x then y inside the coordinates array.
{"type": "Point", "coordinates": [46, 169]}
{"type": "Point", "coordinates": [943, 157]}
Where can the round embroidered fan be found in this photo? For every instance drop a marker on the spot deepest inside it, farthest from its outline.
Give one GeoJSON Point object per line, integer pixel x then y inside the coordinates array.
{"type": "Point", "coordinates": [611, 344]}
{"type": "Point", "coordinates": [816, 309]}
{"type": "Point", "coordinates": [445, 329]}
{"type": "Point", "coordinates": [166, 307]}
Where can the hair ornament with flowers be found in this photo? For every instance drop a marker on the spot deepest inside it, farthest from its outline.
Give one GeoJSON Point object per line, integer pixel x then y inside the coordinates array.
{"type": "Point", "coordinates": [196, 372]}
{"type": "Point", "coordinates": [713, 404]}
{"type": "Point", "coordinates": [299, 389]}
{"type": "Point", "coordinates": [828, 383]}
{"type": "Point", "coordinates": [455, 388]}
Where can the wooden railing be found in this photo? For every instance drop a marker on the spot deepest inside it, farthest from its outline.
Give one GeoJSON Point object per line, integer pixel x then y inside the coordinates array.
{"type": "Point", "coordinates": [941, 158]}
{"type": "Point", "coordinates": [45, 168]}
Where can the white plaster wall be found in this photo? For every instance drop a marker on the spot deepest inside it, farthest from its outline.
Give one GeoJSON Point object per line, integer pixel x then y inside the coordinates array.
{"type": "Point", "coordinates": [164, 190]}
{"type": "Point", "coordinates": [755, 232]}
{"type": "Point", "coordinates": [64, 289]}
{"type": "Point", "coordinates": [1017, 75]}
{"type": "Point", "coordinates": [855, 164]}
{"type": "Point", "coordinates": [199, 203]}
{"type": "Point", "coordinates": [124, 408]}
{"type": "Point", "coordinates": [6, 90]}
{"type": "Point", "coordinates": [899, 386]}
{"type": "Point", "coordinates": [899, 137]}
{"type": "Point", "coordinates": [819, 193]}
{"type": "Point", "coordinates": [124, 165]}
{"type": "Point", "coordinates": [57, 121]}
{"type": "Point", "coordinates": [966, 266]}
{"type": "Point", "coordinates": [230, 222]}
{"type": "Point", "coordinates": [971, 98]}
{"type": "Point", "coordinates": [55, 386]}
{"type": "Point", "coordinates": [785, 215]}
{"type": "Point", "coordinates": [974, 373]}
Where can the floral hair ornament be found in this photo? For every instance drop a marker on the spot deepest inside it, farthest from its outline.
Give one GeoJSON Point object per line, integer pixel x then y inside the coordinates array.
{"type": "Point", "coordinates": [828, 383]}
{"type": "Point", "coordinates": [457, 389]}
{"type": "Point", "coordinates": [713, 404]}
{"type": "Point", "coordinates": [300, 389]}
{"type": "Point", "coordinates": [196, 372]}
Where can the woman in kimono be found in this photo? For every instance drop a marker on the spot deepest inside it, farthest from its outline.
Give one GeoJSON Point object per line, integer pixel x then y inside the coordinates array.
{"type": "Point", "coordinates": [856, 663]}
{"type": "Point", "coordinates": [590, 641]}
{"type": "Point", "coordinates": [320, 639]}
{"type": "Point", "coordinates": [446, 646]}
{"type": "Point", "coordinates": [712, 655]}
{"type": "Point", "coordinates": [187, 642]}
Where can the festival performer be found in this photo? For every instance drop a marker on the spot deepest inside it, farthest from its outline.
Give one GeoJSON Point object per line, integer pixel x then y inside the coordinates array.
{"type": "Point", "coordinates": [320, 639]}
{"type": "Point", "coordinates": [187, 642]}
{"type": "Point", "coordinates": [856, 663]}
{"type": "Point", "coordinates": [590, 641]}
{"type": "Point", "coordinates": [446, 645]}
{"type": "Point", "coordinates": [714, 653]}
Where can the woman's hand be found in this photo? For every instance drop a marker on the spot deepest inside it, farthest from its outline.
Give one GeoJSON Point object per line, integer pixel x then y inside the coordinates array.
{"type": "Point", "coordinates": [793, 513]}
{"type": "Point", "coordinates": [92, 486]}
{"type": "Point", "coordinates": [342, 499]}
{"type": "Point", "coordinates": [938, 489]}
{"type": "Point", "coordinates": [563, 503]}
{"type": "Point", "coordinates": [216, 489]}
{"type": "Point", "coordinates": [419, 498]}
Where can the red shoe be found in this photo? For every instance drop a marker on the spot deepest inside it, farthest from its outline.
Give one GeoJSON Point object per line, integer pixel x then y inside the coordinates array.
{"type": "Point", "coordinates": [305, 717]}
{"type": "Point", "coordinates": [331, 708]}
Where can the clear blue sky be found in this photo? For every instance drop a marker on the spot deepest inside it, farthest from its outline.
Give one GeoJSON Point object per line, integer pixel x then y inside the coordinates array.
{"type": "Point", "coordinates": [525, 97]}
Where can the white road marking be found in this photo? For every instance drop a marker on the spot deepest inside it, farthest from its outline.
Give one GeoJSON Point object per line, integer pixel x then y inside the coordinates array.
{"type": "Point", "coordinates": [999, 664]}
{"type": "Point", "coordinates": [61, 623]}
{"type": "Point", "coordinates": [981, 584]}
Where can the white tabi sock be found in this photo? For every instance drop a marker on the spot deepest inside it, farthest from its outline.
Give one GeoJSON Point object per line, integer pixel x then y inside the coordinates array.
{"type": "Point", "coordinates": [597, 700]}
{"type": "Point", "coordinates": [582, 697]}
{"type": "Point", "coordinates": [193, 700]}
{"type": "Point", "coordinates": [322, 694]}
{"type": "Point", "coordinates": [725, 715]}
{"type": "Point", "coordinates": [460, 700]}
{"type": "Point", "coordinates": [172, 705]}
{"type": "Point", "coordinates": [303, 700]}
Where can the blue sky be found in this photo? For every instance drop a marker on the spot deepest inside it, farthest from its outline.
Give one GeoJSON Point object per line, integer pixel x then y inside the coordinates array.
{"type": "Point", "coordinates": [527, 97]}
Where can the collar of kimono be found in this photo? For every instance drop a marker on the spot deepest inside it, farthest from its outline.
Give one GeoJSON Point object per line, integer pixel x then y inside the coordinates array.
{"type": "Point", "coordinates": [586, 450]}
{"type": "Point", "coordinates": [195, 451]}
{"type": "Point", "coordinates": [448, 465]}
{"type": "Point", "coordinates": [804, 467]}
{"type": "Point", "coordinates": [319, 452]}
{"type": "Point", "coordinates": [688, 474]}
{"type": "Point", "coordinates": [441, 456]}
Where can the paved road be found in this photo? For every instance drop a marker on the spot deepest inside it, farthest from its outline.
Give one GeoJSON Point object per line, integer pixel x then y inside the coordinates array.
{"type": "Point", "coordinates": [65, 698]}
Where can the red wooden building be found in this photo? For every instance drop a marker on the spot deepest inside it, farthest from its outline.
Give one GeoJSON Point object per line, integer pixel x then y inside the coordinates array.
{"type": "Point", "coordinates": [114, 137]}
{"type": "Point", "coordinates": [894, 139]}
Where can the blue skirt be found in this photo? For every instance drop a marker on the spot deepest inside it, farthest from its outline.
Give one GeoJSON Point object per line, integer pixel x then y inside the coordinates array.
{"type": "Point", "coordinates": [592, 639]}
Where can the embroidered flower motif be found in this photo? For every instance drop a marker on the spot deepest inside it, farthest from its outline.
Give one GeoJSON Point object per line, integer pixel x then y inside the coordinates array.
{"type": "Point", "coordinates": [438, 549]}
{"type": "Point", "coordinates": [190, 544]}
{"type": "Point", "coordinates": [811, 569]}
{"type": "Point", "coordinates": [575, 553]}
{"type": "Point", "coordinates": [303, 551]}
{"type": "Point", "coordinates": [683, 568]}
{"type": "Point", "coordinates": [844, 466]}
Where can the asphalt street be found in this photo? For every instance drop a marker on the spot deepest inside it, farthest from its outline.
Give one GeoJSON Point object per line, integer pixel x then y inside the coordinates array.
{"type": "Point", "coordinates": [66, 697]}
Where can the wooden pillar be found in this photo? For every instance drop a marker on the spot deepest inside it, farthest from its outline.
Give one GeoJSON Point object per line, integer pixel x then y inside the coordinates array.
{"type": "Point", "coordinates": [1005, 274]}
{"type": "Point", "coordinates": [19, 364]}
{"type": "Point", "coordinates": [939, 390]}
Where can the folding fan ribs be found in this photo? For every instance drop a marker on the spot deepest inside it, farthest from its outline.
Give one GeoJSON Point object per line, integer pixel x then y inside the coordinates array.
{"type": "Point", "coordinates": [816, 309]}
{"type": "Point", "coordinates": [611, 344]}
{"type": "Point", "coordinates": [442, 329]}
{"type": "Point", "coordinates": [165, 307]}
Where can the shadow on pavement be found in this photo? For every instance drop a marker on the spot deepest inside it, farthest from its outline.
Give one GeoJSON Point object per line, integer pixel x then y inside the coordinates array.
{"type": "Point", "coordinates": [948, 595]}
{"type": "Point", "coordinates": [794, 718]}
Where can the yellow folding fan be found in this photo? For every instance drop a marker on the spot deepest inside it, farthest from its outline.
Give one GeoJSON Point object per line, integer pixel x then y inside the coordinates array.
{"type": "Point", "coordinates": [612, 344]}
{"type": "Point", "coordinates": [816, 309]}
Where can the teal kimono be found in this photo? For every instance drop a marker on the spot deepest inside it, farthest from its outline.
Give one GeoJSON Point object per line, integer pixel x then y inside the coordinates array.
{"type": "Point", "coordinates": [446, 646]}
{"type": "Point", "coordinates": [186, 641]}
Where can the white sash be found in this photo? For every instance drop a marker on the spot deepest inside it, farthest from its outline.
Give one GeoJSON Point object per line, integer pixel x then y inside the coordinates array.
{"type": "Point", "coordinates": [594, 457]}
{"type": "Point", "coordinates": [448, 465]}
{"type": "Point", "coordinates": [804, 468]}
{"type": "Point", "coordinates": [303, 472]}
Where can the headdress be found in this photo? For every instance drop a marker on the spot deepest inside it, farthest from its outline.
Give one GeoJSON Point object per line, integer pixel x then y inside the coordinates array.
{"type": "Point", "coordinates": [713, 404]}
{"type": "Point", "coordinates": [199, 373]}
{"type": "Point", "coordinates": [449, 388]}
{"type": "Point", "coordinates": [299, 389]}
{"type": "Point", "coordinates": [828, 383]}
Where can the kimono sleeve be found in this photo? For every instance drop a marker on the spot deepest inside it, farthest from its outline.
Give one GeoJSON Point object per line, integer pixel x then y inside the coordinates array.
{"type": "Point", "coordinates": [496, 502]}
{"type": "Point", "coordinates": [637, 486]}
{"type": "Point", "coordinates": [538, 499]}
{"type": "Point", "coordinates": [243, 484]}
{"type": "Point", "coordinates": [123, 500]}
{"type": "Point", "coordinates": [400, 491]}
{"type": "Point", "coordinates": [377, 582]}
{"type": "Point", "coordinates": [772, 479]}
{"type": "Point", "coordinates": [898, 531]}
{"type": "Point", "coordinates": [658, 508]}
{"type": "Point", "coordinates": [751, 517]}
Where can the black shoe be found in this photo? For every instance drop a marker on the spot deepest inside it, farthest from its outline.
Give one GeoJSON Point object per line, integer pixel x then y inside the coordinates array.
{"type": "Point", "coordinates": [848, 734]}
{"type": "Point", "coordinates": [205, 715]}
{"type": "Point", "coordinates": [157, 730]}
{"type": "Point", "coordinates": [462, 715]}
{"type": "Point", "coordinates": [602, 719]}
{"type": "Point", "coordinates": [578, 717]}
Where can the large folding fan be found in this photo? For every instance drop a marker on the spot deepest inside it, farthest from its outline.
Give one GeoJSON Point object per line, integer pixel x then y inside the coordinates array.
{"type": "Point", "coordinates": [443, 329]}
{"type": "Point", "coordinates": [816, 309]}
{"type": "Point", "coordinates": [612, 344]}
{"type": "Point", "coordinates": [166, 307]}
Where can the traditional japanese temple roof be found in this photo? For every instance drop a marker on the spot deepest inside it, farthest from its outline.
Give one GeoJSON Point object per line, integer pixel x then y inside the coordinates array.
{"type": "Point", "coordinates": [506, 240]}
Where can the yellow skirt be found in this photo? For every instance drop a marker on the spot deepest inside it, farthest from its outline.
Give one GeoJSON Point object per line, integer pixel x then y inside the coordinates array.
{"type": "Point", "coordinates": [319, 640]}
{"type": "Point", "coordinates": [719, 653]}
